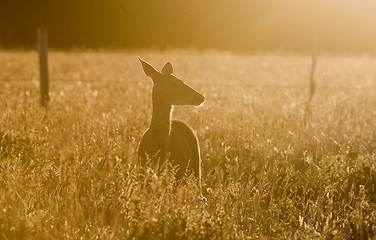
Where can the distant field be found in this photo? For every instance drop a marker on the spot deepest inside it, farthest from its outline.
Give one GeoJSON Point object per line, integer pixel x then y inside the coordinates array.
{"type": "Point", "coordinates": [71, 171]}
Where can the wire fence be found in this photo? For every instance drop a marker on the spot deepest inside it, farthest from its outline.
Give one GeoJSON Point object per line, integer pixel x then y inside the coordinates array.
{"type": "Point", "coordinates": [219, 84]}
{"type": "Point", "coordinates": [71, 80]}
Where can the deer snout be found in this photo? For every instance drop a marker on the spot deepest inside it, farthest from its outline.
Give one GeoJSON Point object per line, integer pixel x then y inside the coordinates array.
{"type": "Point", "coordinates": [199, 99]}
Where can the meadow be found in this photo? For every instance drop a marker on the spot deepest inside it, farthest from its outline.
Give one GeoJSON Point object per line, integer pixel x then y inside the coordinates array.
{"type": "Point", "coordinates": [70, 171]}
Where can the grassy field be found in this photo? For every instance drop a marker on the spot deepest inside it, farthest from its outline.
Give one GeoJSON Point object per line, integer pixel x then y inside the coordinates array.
{"type": "Point", "coordinates": [71, 172]}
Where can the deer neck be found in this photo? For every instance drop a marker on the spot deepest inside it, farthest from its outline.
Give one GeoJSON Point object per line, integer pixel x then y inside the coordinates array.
{"type": "Point", "coordinates": [161, 119]}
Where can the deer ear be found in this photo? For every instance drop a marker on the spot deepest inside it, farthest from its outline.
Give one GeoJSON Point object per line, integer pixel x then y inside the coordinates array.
{"type": "Point", "coordinates": [148, 69]}
{"type": "Point", "coordinates": [167, 69]}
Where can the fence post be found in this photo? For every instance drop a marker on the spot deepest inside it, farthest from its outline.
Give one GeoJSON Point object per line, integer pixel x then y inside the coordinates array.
{"type": "Point", "coordinates": [43, 66]}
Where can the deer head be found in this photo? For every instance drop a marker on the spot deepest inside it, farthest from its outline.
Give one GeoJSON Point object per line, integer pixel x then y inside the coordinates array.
{"type": "Point", "coordinates": [169, 89]}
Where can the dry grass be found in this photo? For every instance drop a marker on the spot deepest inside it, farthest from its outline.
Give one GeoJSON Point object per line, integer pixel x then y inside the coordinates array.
{"type": "Point", "coordinates": [73, 174]}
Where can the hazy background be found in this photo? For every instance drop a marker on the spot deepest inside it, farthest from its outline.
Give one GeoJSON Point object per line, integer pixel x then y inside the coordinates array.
{"type": "Point", "coordinates": [344, 26]}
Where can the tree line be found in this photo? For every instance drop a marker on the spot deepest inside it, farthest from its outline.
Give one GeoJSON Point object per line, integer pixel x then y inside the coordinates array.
{"type": "Point", "coordinates": [244, 25]}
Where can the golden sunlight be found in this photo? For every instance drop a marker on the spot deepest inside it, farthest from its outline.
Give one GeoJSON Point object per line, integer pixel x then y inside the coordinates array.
{"type": "Point", "coordinates": [188, 119]}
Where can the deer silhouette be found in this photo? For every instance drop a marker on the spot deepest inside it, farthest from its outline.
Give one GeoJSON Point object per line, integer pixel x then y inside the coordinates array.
{"type": "Point", "coordinates": [168, 139]}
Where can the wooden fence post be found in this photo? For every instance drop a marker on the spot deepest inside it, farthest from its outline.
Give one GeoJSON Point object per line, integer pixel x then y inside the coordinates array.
{"type": "Point", "coordinates": [43, 66]}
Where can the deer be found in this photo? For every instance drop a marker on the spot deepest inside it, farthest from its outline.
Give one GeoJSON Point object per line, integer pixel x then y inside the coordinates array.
{"type": "Point", "coordinates": [168, 139]}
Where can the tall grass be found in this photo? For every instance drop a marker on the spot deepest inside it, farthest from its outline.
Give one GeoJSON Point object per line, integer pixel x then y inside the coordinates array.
{"type": "Point", "coordinates": [71, 173]}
